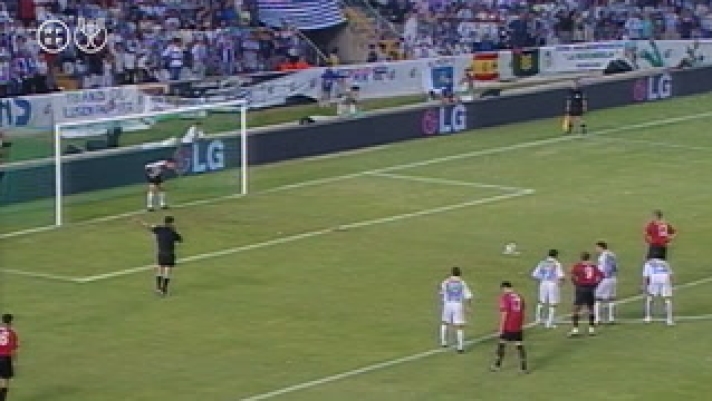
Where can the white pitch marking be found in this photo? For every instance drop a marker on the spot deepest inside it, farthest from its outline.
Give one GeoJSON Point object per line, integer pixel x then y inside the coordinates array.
{"type": "Point", "coordinates": [415, 357]}
{"type": "Point", "coordinates": [656, 144]}
{"type": "Point", "coordinates": [311, 234]}
{"type": "Point", "coordinates": [678, 319]}
{"type": "Point", "coordinates": [475, 153]}
{"type": "Point", "coordinates": [44, 276]}
{"type": "Point", "coordinates": [443, 181]}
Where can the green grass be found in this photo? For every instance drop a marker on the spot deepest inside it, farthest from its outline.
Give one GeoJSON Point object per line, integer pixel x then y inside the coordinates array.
{"type": "Point", "coordinates": [33, 146]}
{"type": "Point", "coordinates": [330, 300]}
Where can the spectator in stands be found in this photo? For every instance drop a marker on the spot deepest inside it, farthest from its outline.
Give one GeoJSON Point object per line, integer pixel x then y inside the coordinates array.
{"type": "Point", "coordinates": [199, 57]}
{"type": "Point", "coordinates": [5, 72]}
{"type": "Point", "coordinates": [41, 78]}
{"type": "Point", "coordinates": [294, 64]}
{"type": "Point", "coordinates": [173, 58]}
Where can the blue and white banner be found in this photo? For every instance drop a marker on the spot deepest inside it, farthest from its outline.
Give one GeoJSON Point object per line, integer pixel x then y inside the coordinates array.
{"type": "Point", "coordinates": [639, 54]}
{"type": "Point", "coordinates": [26, 114]}
{"type": "Point", "coordinates": [98, 103]}
{"type": "Point", "coordinates": [303, 14]}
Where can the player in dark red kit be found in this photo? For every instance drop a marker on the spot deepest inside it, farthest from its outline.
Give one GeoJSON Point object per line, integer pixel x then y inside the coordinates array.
{"type": "Point", "coordinates": [511, 326]}
{"type": "Point", "coordinates": [8, 349]}
{"type": "Point", "coordinates": [585, 276]}
{"type": "Point", "coordinates": [658, 234]}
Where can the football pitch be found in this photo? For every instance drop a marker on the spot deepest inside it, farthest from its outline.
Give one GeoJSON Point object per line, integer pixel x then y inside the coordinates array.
{"type": "Point", "coordinates": [321, 284]}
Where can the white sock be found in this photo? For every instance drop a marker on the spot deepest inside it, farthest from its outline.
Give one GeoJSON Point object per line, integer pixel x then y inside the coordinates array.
{"type": "Point", "coordinates": [162, 198]}
{"type": "Point", "coordinates": [668, 309]}
{"type": "Point", "coordinates": [550, 317]}
{"type": "Point", "coordinates": [149, 200]}
{"type": "Point", "coordinates": [460, 339]}
{"type": "Point", "coordinates": [611, 311]}
{"type": "Point", "coordinates": [539, 309]}
{"type": "Point", "coordinates": [597, 311]}
{"type": "Point", "coordinates": [648, 307]}
{"type": "Point", "coordinates": [443, 334]}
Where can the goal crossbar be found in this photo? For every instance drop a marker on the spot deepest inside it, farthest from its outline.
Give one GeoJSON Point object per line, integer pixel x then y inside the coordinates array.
{"type": "Point", "coordinates": [179, 109]}
{"type": "Point", "coordinates": [57, 132]}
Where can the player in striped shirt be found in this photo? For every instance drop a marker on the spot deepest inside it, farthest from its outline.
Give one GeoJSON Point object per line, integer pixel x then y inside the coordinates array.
{"type": "Point", "coordinates": [657, 282]}
{"type": "Point", "coordinates": [456, 298]}
{"type": "Point", "coordinates": [606, 290]}
{"type": "Point", "coordinates": [155, 175]}
{"type": "Point", "coordinates": [550, 275]}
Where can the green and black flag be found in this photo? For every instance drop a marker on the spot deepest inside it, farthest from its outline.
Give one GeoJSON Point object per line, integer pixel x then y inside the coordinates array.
{"type": "Point", "coordinates": [525, 62]}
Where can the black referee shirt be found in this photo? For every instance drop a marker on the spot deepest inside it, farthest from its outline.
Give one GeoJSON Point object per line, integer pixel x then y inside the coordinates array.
{"type": "Point", "coordinates": [166, 238]}
{"type": "Point", "coordinates": [576, 98]}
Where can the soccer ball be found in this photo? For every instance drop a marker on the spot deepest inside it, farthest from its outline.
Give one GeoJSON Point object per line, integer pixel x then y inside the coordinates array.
{"type": "Point", "coordinates": [510, 249]}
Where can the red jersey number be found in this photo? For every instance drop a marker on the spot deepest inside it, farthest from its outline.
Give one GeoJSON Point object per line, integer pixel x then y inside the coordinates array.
{"type": "Point", "coordinates": [8, 342]}
{"type": "Point", "coordinates": [512, 305]}
{"type": "Point", "coordinates": [659, 233]}
{"type": "Point", "coordinates": [586, 274]}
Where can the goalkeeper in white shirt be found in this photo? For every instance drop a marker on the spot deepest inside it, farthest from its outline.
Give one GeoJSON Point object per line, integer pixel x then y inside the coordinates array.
{"type": "Point", "coordinates": [657, 282]}
{"type": "Point", "coordinates": [456, 299]}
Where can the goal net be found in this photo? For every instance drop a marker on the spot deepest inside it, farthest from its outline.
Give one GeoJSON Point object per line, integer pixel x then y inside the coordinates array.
{"type": "Point", "coordinates": [97, 167]}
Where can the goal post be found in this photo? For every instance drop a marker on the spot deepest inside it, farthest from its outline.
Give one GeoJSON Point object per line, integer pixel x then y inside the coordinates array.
{"type": "Point", "coordinates": [164, 112]}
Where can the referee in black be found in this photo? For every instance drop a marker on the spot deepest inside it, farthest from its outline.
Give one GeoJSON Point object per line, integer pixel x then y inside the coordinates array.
{"type": "Point", "coordinates": [576, 106]}
{"type": "Point", "coordinates": [166, 239]}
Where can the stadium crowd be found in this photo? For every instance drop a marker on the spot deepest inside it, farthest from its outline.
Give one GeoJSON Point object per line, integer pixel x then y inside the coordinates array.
{"type": "Point", "coordinates": [148, 41]}
{"type": "Point", "coordinates": [442, 27]}
{"type": "Point", "coordinates": [162, 40]}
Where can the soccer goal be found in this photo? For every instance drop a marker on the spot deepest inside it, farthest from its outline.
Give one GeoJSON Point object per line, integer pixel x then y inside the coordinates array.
{"type": "Point", "coordinates": [100, 163]}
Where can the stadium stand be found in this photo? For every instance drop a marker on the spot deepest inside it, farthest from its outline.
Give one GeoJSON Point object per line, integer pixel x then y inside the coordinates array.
{"type": "Point", "coordinates": [157, 40]}
{"type": "Point", "coordinates": [436, 27]}
{"type": "Point", "coordinates": [163, 40]}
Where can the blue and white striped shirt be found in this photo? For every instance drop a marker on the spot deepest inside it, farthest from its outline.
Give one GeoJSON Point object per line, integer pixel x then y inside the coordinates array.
{"type": "Point", "coordinates": [548, 269]}
{"type": "Point", "coordinates": [608, 264]}
{"type": "Point", "coordinates": [455, 290]}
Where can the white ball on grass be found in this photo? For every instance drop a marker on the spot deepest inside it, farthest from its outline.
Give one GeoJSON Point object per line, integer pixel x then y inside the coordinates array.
{"type": "Point", "coordinates": [511, 249]}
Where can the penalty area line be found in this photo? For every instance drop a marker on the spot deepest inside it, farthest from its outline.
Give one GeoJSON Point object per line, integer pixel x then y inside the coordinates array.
{"type": "Point", "coordinates": [415, 357]}
{"type": "Point", "coordinates": [312, 234]}
{"type": "Point", "coordinates": [677, 319]}
{"type": "Point", "coordinates": [43, 276]}
{"type": "Point", "coordinates": [397, 167]}
{"type": "Point", "coordinates": [445, 181]}
{"type": "Point", "coordinates": [656, 144]}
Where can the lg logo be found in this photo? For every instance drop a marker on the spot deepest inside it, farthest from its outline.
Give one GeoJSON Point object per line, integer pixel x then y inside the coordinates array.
{"type": "Point", "coordinates": [657, 87]}
{"type": "Point", "coordinates": [445, 120]}
{"type": "Point", "coordinates": [201, 157]}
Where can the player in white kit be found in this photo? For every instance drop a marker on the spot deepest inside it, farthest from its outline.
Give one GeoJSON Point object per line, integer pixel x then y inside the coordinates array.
{"type": "Point", "coordinates": [456, 298]}
{"type": "Point", "coordinates": [658, 279]}
{"type": "Point", "coordinates": [606, 290]}
{"type": "Point", "coordinates": [550, 275]}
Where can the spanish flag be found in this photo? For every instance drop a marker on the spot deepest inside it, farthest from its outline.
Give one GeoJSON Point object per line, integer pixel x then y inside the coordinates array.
{"type": "Point", "coordinates": [485, 66]}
